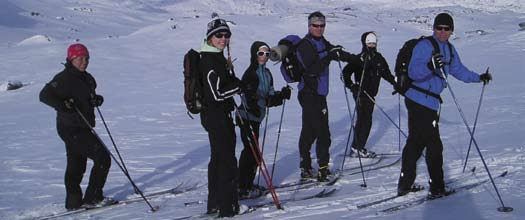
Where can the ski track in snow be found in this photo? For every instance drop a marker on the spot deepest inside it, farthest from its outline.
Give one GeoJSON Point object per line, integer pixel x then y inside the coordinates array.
{"type": "Point", "coordinates": [136, 52]}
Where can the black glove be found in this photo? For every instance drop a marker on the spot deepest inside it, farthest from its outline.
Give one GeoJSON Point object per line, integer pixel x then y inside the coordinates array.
{"type": "Point", "coordinates": [436, 62]}
{"type": "Point", "coordinates": [335, 53]}
{"type": "Point", "coordinates": [69, 104]}
{"type": "Point", "coordinates": [397, 88]}
{"type": "Point", "coordinates": [354, 88]}
{"type": "Point", "coordinates": [97, 100]}
{"type": "Point", "coordinates": [485, 78]}
{"type": "Point", "coordinates": [286, 92]}
{"type": "Point", "coordinates": [348, 83]}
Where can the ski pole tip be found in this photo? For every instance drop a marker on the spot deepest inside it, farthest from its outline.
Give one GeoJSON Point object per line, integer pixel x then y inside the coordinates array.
{"type": "Point", "coordinates": [505, 209]}
{"type": "Point", "coordinates": [154, 208]}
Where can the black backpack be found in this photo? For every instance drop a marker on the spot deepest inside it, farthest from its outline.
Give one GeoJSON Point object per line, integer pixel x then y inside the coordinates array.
{"type": "Point", "coordinates": [403, 59]}
{"type": "Point", "coordinates": [192, 82]}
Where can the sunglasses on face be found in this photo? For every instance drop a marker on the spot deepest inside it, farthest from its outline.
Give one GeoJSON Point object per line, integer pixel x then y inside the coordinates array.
{"type": "Point", "coordinates": [318, 25]}
{"type": "Point", "coordinates": [443, 28]}
{"type": "Point", "coordinates": [262, 53]}
{"type": "Point", "coordinates": [227, 35]}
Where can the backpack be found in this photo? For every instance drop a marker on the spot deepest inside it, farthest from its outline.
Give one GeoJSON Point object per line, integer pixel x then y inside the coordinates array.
{"type": "Point", "coordinates": [291, 69]}
{"type": "Point", "coordinates": [193, 93]}
{"type": "Point", "coordinates": [403, 60]}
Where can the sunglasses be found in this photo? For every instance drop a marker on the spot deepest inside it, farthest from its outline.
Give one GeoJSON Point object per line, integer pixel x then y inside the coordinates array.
{"type": "Point", "coordinates": [262, 53]}
{"type": "Point", "coordinates": [443, 28]}
{"type": "Point", "coordinates": [318, 25]}
{"type": "Point", "coordinates": [220, 35]}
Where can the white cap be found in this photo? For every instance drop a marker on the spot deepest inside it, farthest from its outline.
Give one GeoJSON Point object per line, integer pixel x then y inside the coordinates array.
{"type": "Point", "coordinates": [371, 38]}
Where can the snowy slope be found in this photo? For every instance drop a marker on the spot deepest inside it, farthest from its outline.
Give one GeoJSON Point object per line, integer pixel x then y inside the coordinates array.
{"type": "Point", "coordinates": [136, 52]}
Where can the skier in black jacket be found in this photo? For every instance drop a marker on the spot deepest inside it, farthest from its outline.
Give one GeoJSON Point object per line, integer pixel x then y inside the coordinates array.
{"type": "Point", "coordinates": [257, 84]}
{"type": "Point", "coordinates": [75, 88]}
{"type": "Point", "coordinates": [315, 54]}
{"type": "Point", "coordinates": [375, 69]}
{"type": "Point", "coordinates": [219, 87]}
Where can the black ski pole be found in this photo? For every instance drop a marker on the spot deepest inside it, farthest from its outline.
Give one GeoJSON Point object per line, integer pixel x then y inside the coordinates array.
{"type": "Point", "coordinates": [152, 209]}
{"type": "Point", "coordinates": [399, 122]}
{"type": "Point", "coordinates": [267, 111]}
{"type": "Point", "coordinates": [503, 208]}
{"type": "Point", "coordinates": [278, 137]}
{"type": "Point", "coordinates": [352, 120]}
{"type": "Point", "coordinates": [384, 113]}
{"type": "Point", "coordinates": [475, 122]}
{"type": "Point", "coordinates": [349, 113]}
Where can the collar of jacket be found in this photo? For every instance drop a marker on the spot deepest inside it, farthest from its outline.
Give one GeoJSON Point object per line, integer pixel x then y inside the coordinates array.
{"type": "Point", "coordinates": [207, 48]}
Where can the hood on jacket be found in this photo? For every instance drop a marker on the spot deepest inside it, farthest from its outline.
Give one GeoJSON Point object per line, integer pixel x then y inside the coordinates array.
{"type": "Point", "coordinates": [253, 53]}
{"type": "Point", "coordinates": [363, 43]}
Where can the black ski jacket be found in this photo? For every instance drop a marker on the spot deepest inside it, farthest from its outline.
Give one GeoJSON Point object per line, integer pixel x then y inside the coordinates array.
{"type": "Point", "coordinates": [71, 83]}
{"type": "Point", "coordinates": [219, 86]}
{"type": "Point", "coordinates": [376, 67]}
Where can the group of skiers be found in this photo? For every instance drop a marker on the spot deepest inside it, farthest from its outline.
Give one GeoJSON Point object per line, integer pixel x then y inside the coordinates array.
{"type": "Point", "coordinates": [72, 92]}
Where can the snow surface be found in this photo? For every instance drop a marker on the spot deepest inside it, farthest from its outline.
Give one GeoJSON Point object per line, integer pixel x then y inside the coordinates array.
{"type": "Point", "coordinates": [136, 52]}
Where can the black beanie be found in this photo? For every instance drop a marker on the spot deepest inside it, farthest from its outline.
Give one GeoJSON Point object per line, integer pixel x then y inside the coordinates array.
{"type": "Point", "coordinates": [444, 19]}
{"type": "Point", "coordinates": [217, 25]}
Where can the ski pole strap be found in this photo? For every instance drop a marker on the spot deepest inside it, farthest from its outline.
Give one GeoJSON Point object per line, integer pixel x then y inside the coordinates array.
{"type": "Point", "coordinates": [426, 92]}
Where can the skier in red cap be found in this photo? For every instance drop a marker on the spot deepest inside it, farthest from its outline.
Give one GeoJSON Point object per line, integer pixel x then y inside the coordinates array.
{"type": "Point", "coordinates": [74, 88]}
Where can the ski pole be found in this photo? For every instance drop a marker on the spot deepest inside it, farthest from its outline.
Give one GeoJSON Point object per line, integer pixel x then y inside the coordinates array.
{"type": "Point", "coordinates": [264, 137]}
{"type": "Point", "coordinates": [349, 113]}
{"type": "Point", "coordinates": [503, 208]}
{"type": "Point", "coordinates": [475, 122]}
{"type": "Point", "coordinates": [352, 120]}
{"type": "Point", "coordinates": [113, 142]}
{"type": "Point", "coordinates": [256, 151]}
{"type": "Point", "coordinates": [399, 122]}
{"type": "Point", "coordinates": [278, 137]}
{"type": "Point", "coordinates": [384, 113]}
{"type": "Point", "coordinates": [152, 209]}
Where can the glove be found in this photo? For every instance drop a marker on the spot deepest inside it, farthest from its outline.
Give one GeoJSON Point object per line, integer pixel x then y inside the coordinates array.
{"type": "Point", "coordinates": [436, 62]}
{"type": "Point", "coordinates": [485, 78]}
{"type": "Point", "coordinates": [286, 92]}
{"type": "Point", "coordinates": [69, 104]}
{"type": "Point", "coordinates": [354, 88]}
{"type": "Point", "coordinates": [335, 53]}
{"type": "Point", "coordinates": [97, 100]}
{"type": "Point", "coordinates": [348, 83]}
{"type": "Point", "coordinates": [397, 89]}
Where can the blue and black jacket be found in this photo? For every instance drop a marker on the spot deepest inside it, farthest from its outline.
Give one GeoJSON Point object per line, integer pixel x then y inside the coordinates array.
{"type": "Point", "coordinates": [434, 82]}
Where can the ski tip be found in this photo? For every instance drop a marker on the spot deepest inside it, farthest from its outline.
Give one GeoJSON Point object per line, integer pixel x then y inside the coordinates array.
{"type": "Point", "coordinates": [473, 169]}
{"type": "Point", "coordinates": [504, 173]}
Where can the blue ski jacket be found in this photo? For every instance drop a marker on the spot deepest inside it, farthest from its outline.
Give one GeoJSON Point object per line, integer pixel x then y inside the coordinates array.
{"type": "Point", "coordinates": [434, 82]}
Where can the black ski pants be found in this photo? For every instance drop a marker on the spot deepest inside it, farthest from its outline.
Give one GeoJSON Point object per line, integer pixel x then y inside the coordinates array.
{"type": "Point", "coordinates": [247, 162]}
{"type": "Point", "coordinates": [81, 144]}
{"type": "Point", "coordinates": [365, 108]}
{"type": "Point", "coordinates": [222, 168]}
{"type": "Point", "coordinates": [423, 132]}
{"type": "Point", "coordinates": [315, 127]}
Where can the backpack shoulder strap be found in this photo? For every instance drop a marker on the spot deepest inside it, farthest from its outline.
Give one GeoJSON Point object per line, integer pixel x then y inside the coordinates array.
{"type": "Point", "coordinates": [436, 47]}
{"type": "Point", "coordinates": [434, 43]}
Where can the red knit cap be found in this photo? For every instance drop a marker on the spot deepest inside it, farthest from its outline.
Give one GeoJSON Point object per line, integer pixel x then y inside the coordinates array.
{"type": "Point", "coordinates": [77, 50]}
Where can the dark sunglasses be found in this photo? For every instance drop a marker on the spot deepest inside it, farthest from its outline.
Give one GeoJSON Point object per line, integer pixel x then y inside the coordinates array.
{"type": "Point", "coordinates": [443, 28]}
{"type": "Point", "coordinates": [318, 25]}
{"type": "Point", "coordinates": [220, 35]}
{"type": "Point", "coordinates": [262, 53]}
